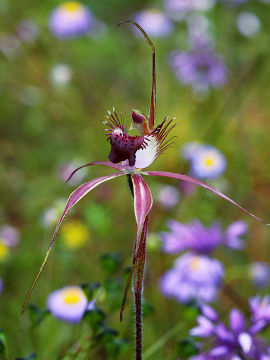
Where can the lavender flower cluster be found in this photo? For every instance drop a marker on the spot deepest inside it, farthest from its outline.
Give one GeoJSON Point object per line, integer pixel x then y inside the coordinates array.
{"type": "Point", "coordinates": [196, 275]}
{"type": "Point", "coordinates": [237, 340]}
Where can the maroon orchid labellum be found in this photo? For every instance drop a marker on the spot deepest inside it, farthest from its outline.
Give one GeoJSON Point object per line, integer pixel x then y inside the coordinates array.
{"type": "Point", "coordinates": [135, 153]}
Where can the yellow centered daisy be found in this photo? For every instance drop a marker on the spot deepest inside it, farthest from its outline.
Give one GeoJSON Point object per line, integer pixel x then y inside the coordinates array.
{"type": "Point", "coordinates": [195, 263]}
{"type": "Point", "coordinates": [4, 250]}
{"type": "Point", "coordinates": [72, 296]}
{"type": "Point", "coordinates": [71, 6]}
{"type": "Point", "coordinates": [209, 161]}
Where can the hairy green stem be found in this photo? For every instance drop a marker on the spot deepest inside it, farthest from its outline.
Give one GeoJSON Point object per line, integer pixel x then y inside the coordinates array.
{"type": "Point", "coordinates": [138, 289]}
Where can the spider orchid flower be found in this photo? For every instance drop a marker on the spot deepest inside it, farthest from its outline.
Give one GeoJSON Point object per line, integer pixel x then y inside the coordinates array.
{"type": "Point", "coordinates": [130, 156]}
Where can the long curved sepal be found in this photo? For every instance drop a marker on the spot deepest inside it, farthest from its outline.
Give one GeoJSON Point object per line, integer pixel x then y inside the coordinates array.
{"type": "Point", "coordinates": [76, 196]}
{"type": "Point", "coordinates": [142, 205]}
{"type": "Point", "coordinates": [106, 163]}
{"type": "Point", "coordinates": [202, 184]}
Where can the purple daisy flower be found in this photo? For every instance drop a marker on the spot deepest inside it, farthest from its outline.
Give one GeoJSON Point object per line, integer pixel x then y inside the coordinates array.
{"type": "Point", "coordinates": [9, 236]}
{"type": "Point", "coordinates": [168, 196]}
{"type": "Point", "coordinates": [200, 67]}
{"type": "Point", "coordinates": [199, 239]}
{"type": "Point", "coordinates": [71, 19]}
{"type": "Point", "coordinates": [27, 31]}
{"type": "Point", "coordinates": [238, 340]}
{"type": "Point", "coordinates": [208, 163]}
{"type": "Point", "coordinates": [69, 304]}
{"type": "Point", "coordinates": [65, 169]}
{"type": "Point", "coordinates": [260, 274]}
{"type": "Point", "coordinates": [193, 277]}
{"type": "Point", "coordinates": [154, 22]}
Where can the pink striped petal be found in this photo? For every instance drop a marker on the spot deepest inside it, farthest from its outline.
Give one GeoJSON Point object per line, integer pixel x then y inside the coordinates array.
{"type": "Point", "coordinates": [202, 184]}
{"type": "Point", "coordinates": [106, 163]}
{"type": "Point", "coordinates": [76, 196]}
{"type": "Point", "coordinates": [142, 203]}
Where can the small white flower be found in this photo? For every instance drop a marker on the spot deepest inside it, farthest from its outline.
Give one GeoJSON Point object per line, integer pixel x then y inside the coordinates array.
{"type": "Point", "coordinates": [60, 75]}
{"type": "Point", "coordinates": [248, 24]}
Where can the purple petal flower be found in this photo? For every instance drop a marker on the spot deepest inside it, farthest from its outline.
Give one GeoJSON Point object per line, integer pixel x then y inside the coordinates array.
{"type": "Point", "coordinates": [154, 22]}
{"type": "Point", "coordinates": [27, 31]}
{"type": "Point", "coordinates": [168, 196]}
{"type": "Point", "coordinates": [260, 308]}
{"type": "Point", "coordinates": [208, 163]}
{"type": "Point", "coordinates": [65, 169]}
{"type": "Point", "coordinates": [206, 327]}
{"type": "Point", "coordinates": [209, 312]}
{"type": "Point", "coordinates": [233, 234]}
{"type": "Point", "coordinates": [193, 277]}
{"type": "Point", "coordinates": [189, 149]}
{"type": "Point", "coordinates": [193, 236]}
{"type": "Point", "coordinates": [237, 321]}
{"type": "Point", "coordinates": [236, 342]}
{"type": "Point", "coordinates": [68, 304]}
{"type": "Point", "coordinates": [9, 235]}
{"type": "Point", "coordinates": [201, 68]}
{"type": "Point", "coordinates": [71, 19]}
{"type": "Point", "coordinates": [260, 274]}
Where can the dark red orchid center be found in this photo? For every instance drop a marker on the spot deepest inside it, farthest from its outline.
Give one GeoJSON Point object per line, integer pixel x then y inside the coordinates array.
{"type": "Point", "coordinates": [124, 147]}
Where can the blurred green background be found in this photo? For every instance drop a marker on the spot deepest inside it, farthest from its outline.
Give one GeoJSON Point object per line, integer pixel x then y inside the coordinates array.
{"type": "Point", "coordinates": [43, 125]}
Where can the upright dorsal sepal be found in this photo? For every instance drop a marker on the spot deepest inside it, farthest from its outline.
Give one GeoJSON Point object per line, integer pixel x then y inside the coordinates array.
{"type": "Point", "coordinates": [151, 119]}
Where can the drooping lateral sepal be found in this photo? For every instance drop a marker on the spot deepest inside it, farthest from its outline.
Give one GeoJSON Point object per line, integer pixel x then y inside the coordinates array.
{"type": "Point", "coordinates": [75, 197]}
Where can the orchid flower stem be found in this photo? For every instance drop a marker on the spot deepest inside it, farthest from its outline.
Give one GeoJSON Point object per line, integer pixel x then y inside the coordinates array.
{"type": "Point", "coordinates": [138, 289]}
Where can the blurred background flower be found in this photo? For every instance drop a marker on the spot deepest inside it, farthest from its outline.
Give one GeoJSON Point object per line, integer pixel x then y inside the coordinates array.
{"type": "Point", "coordinates": [27, 31]}
{"type": "Point", "coordinates": [69, 304]}
{"type": "Point", "coordinates": [200, 68]}
{"type": "Point", "coordinates": [74, 234]}
{"type": "Point", "coordinates": [51, 215]}
{"type": "Point", "coordinates": [71, 19]}
{"type": "Point", "coordinates": [193, 278]}
{"type": "Point", "coordinates": [206, 162]}
{"type": "Point", "coordinates": [9, 235]}
{"type": "Point", "coordinates": [154, 22]}
{"type": "Point", "coordinates": [60, 75]}
{"type": "Point", "coordinates": [248, 24]}
{"type": "Point", "coordinates": [65, 169]}
{"type": "Point", "coordinates": [260, 274]}
{"type": "Point", "coordinates": [168, 196]}
{"type": "Point", "coordinates": [241, 339]}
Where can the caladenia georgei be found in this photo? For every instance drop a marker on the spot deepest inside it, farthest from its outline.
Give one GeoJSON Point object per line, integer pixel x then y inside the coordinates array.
{"type": "Point", "coordinates": [130, 155]}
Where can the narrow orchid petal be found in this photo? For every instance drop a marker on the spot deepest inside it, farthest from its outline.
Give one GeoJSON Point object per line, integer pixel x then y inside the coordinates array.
{"type": "Point", "coordinates": [76, 196]}
{"type": "Point", "coordinates": [106, 163]}
{"type": "Point", "coordinates": [142, 203]}
{"type": "Point", "coordinates": [202, 184]}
